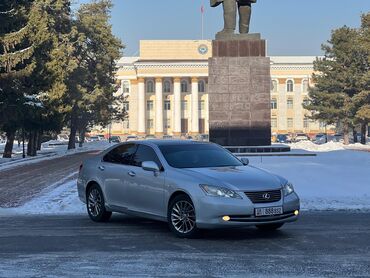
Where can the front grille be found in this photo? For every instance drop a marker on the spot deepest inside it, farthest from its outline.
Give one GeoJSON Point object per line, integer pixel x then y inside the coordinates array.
{"type": "Point", "coordinates": [264, 196]}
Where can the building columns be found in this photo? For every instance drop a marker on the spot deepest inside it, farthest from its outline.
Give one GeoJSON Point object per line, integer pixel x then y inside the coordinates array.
{"type": "Point", "coordinates": [158, 107]}
{"type": "Point", "coordinates": [194, 106]}
{"type": "Point", "coordinates": [176, 107]}
{"type": "Point", "coordinates": [141, 129]}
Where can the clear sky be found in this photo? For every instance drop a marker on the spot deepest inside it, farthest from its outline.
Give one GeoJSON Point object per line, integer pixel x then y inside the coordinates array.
{"type": "Point", "coordinates": [291, 27]}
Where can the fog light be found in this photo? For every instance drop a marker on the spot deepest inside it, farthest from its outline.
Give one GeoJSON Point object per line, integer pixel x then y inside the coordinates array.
{"type": "Point", "coordinates": [296, 212]}
{"type": "Point", "coordinates": [226, 218]}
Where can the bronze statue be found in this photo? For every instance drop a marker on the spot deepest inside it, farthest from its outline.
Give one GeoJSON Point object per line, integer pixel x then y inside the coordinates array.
{"type": "Point", "coordinates": [230, 6]}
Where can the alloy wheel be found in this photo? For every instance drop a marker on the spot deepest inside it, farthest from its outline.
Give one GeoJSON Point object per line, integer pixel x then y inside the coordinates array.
{"type": "Point", "coordinates": [95, 202]}
{"type": "Point", "coordinates": [183, 217]}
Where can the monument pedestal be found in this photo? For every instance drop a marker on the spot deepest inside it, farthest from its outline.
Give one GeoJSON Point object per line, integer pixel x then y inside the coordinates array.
{"type": "Point", "coordinates": [239, 93]}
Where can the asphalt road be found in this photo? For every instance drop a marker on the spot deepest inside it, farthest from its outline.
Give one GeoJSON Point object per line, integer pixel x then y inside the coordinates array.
{"type": "Point", "coordinates": [320, 244]}
{"type": "Point", "coordinates": [22, 183]}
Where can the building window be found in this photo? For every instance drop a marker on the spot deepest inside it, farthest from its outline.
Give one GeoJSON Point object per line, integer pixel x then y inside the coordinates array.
{"type": "Point", "coordinates": [306, 123]}
{"type": "Point", "coordinates": [274, 86]}
{"type": "Point", "coordinates": [290, 122]}
{"type": "Point", "coordinates": [290, 103]}
{"type": "Point", "coordinates": [150, 86]}
{"type": "Point", "coordinates": [149, 105]}
{"type": "Point", "coordinates": [126, 124]}
{"type": "Point", "coordinates": [201, 86]}
{"type": "Point", "coordinates": [126, 106]}
{"type": "Point", "coordinates": [167, 105]}
{"type": "Point", "coordinates": [125, 87]}
{"type": "Point", "coordinates": [184, 86]}
{"type": "Point", "coordinates": [201, 105]}
{"type": "Point", "coordinates": [184, 105]}
{"type": "Point", "coordinates": [290, 86]}
{"type": "Point", "coordinates": [167, 87]}
{"type": "Point", "coordinates": [167, 123]}
{"type": "Point", "coordinates": [274, 103]}
{"type": "Point", "coordinates": [150, 123]}
{"type": "Point", "coordinates": [305, 85]}
{"type": "Point", "coordinates": [274, 123]}
{"type": "Point", "coordinates": [322, 124]}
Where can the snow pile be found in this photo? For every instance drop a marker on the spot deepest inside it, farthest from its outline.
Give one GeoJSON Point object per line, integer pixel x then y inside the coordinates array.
{"type": "Point", "coordinates": [310, 146]}
{"type": "Point", "coordinates": [327, 147]}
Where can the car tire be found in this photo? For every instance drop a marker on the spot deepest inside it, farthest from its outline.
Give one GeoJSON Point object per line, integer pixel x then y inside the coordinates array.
{"type": "Point", "coordinates": [181, 217]}
{"type": "Point", "coordinates": [95, 204]}
{"type": "Point", "coordinates": [270, 227]}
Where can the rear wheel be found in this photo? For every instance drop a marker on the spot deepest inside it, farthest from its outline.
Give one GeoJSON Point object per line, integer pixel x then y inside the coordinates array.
{"type": "Point", "coordinates": [270, 227]}
{"type": "Point", "coordinates": [96, 205]}
{"type": "Point", "coordinates": [182, 218]}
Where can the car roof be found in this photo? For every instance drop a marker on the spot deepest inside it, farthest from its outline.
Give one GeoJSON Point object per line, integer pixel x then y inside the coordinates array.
{"type": "Point", "coordinates": [160, 142]}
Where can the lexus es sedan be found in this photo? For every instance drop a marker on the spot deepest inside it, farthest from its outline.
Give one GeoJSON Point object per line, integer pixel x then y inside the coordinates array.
{"type": "Point", "coordinates": [191, 185]}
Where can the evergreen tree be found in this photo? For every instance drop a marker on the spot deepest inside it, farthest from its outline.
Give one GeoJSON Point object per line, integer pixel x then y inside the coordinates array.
{"type": "Point", "coordinates": [93, 83]}
{"type": "Point", "coordinates": [339, 79]}
{"type": "Point", "coordinates": [16, 64]}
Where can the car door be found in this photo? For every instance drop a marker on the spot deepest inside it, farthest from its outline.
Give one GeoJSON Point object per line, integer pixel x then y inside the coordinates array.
{"type": "Point", "coordinates": [145, 189]}
{"type": "Point", "coordinates": [114, 171]}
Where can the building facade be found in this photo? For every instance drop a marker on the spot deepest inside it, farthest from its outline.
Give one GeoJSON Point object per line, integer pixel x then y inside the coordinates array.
{"type": "Point", "coordinates": [164, 90]}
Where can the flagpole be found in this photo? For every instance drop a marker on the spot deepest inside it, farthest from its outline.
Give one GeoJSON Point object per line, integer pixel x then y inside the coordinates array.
{"type": "Point", "coordinates": [202, 12]}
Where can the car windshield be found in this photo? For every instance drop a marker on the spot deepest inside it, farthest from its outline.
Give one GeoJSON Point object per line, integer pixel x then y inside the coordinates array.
{"type": "Point", "coordinates": [281, 136]}
{"type": "Point", "coordinates": [198, 156]}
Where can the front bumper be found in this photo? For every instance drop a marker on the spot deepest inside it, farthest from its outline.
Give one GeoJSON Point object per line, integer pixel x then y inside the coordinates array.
{"type": "Point", "coordinates": [210, 211]}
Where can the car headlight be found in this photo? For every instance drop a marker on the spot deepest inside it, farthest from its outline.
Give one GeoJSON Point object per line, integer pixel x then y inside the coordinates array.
{"type": "Point", "coordinates": [288, 189]}
{"type": "Point", "coordinates": [216, 191]}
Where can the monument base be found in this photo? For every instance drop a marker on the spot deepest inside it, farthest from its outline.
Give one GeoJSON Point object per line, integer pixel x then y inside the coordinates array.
{"type": "Point", "coordinates": [239, 93]}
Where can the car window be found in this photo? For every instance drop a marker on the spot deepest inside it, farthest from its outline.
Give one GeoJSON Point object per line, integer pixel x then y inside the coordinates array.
{"type": "Point", "coordinates": [145, 153]}
{"type": "Point", "coordinates": [123, 154]}
{"type": "Point", "coordinates": [198, 156]}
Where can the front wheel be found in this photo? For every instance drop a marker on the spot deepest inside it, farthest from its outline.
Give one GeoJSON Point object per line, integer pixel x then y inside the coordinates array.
{"type": "Point", "coordinates": [96, 205]}
{"type": "Point", "coordinates": [270, 227]}
{"type": "Point", "coordinates": [182, 218]}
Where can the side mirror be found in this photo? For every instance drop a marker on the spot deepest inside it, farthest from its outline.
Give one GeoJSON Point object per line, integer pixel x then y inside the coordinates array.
{"type": "Point", "coordinates": [245, 161]}
{"type": "Point", "coordinates": [150, 166]}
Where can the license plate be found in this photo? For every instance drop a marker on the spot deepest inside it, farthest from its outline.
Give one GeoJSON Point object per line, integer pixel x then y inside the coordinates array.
{"type": "Point", "coordinates": [268, 211]}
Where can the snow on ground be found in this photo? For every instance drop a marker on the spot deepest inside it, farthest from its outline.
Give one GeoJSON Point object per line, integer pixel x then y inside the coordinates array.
{"type": "Point", "coordinates": [47, 152]}
{"type": "Point", "coordinates": [336, 180]}
{"type": "Point", "coordinates": [327, 147]}
{"type": "Point", "coordinates": [60, 198]}
{"type": "Point", "coordinates": [331, 180]}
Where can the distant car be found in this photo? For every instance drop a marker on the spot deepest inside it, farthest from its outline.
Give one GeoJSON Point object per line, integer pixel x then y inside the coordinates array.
{"type": "Point", "coordinates": [190, 185]}
{"type": "Point", "coordinates": [101, 137]}
{"type": "Point", "coordinates": [93, 138]}
{"type": "Point", "coordinates": [167, 137]}
{"type": "Point", "coordinates": [301, 137]}
{"type": "Point", "coordinates": [337, 138]}
{"type": "Point", "coordinates": [150, 136]}
{"type": "Point", "coordinates": [131, 138]}
{"type": "Point", "coordinates": [320, 138]}
{"type": "Point", "coordinates": [115, 139]}
{"type": "Point", "coordinates": [282, 138]}
{"type": "Point", "coordinates": [203, 138]}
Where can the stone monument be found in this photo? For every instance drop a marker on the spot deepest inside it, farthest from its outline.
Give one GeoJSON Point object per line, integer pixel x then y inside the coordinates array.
{"type": "Point", "coordinates": [239, 81]}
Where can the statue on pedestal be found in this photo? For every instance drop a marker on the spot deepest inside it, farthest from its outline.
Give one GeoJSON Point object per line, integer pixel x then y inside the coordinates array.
{"type": "Point", "coordinates": [230, 6]}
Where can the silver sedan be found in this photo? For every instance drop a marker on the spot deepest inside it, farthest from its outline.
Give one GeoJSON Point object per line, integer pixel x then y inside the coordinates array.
{"type": "Point", "coordinates": [191, 185]}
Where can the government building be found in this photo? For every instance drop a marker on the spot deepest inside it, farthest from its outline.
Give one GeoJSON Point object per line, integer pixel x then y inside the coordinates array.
{"type": "Point", "coordinates": [164, 90]}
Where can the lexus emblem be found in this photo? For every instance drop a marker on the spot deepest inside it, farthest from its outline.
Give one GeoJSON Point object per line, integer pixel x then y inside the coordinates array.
{"type": "Point", "coordinates": [266, 196]}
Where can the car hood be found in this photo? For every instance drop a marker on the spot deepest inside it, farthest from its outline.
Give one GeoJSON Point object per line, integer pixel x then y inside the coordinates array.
{"type": "Point", "coordinates": [241, 178]}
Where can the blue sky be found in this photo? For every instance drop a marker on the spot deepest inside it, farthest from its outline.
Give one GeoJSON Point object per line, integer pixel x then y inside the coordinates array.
{"type": "Point", "coordinates": [291, 27]}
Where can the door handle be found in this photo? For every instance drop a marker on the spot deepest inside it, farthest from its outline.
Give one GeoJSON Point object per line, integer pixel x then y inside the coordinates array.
{"type": "Point", "coordinates": [101, 168]}
{"type": "Point", "coordinates": [131, 174]}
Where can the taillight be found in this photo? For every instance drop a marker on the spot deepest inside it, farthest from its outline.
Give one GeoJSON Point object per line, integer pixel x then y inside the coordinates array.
{"type": "Point", "coordinates": [81, 166]}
